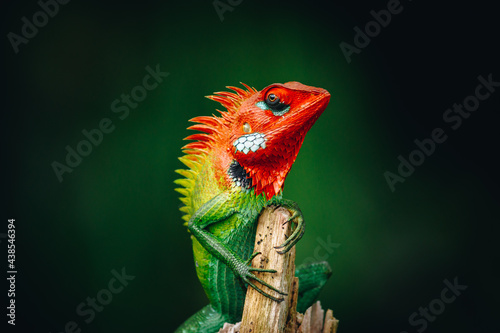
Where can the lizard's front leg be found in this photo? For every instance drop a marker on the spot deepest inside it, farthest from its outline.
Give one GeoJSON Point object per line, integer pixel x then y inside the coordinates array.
{"type": "Point", "coordinates": [219, 209]}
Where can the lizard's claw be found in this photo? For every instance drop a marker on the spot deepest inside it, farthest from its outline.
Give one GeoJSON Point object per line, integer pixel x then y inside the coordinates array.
{"type": "Point", "coordinates": [294, 237]}
{"type": "Point", "coordinates": [299, 230]}
{"type": "Point", "coordinates": [251, 258]}
{"type": "Point", "coordinates": [247, 275]}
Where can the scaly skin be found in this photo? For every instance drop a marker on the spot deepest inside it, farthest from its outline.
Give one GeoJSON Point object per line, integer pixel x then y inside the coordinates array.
{"type": "Point", "coordinates": [237, 167]}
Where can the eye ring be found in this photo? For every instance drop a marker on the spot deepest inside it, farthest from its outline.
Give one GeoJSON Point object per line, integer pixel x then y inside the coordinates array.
{"type": "Point", "coordinates": [272, 98]}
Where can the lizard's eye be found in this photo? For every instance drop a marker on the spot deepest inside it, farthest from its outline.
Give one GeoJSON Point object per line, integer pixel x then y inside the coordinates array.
{"type": "Point", "coordinates": [274, 102]}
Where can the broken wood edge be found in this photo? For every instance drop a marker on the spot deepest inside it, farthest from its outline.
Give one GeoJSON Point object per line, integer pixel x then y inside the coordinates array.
{"type": "Point", "coordinates": [302, 323]}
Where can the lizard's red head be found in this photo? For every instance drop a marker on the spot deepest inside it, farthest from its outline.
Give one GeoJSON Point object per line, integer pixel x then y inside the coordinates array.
{"type": "Point", "coordinates": [277, 119]}
{"type": "Point", "coordinates": [263, 130]}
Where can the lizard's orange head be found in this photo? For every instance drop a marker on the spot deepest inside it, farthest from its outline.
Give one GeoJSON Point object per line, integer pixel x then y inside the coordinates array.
{"type": "Point", "coordinates": [258, 138]}
{"type": "Point", "coordinates": [269, 128]}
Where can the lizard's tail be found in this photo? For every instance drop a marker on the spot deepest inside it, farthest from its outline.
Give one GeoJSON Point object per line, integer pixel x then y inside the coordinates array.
{"type": "Point", "coordinates": [207, 320]}
{"type": "Point", "coordinates": [312, 278]}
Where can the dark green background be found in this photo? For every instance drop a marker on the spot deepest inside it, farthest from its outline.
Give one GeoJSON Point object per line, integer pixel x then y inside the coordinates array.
{"type": "Point", "coordinates": [118, 207]}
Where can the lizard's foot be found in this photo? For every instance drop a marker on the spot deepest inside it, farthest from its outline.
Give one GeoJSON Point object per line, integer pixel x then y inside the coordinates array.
{"type": "Point", "coordinates": [246, 275]}
{"type": "Point", "coordinates": [299, 230]}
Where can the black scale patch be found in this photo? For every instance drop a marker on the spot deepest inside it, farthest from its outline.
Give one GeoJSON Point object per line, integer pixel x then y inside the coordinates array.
{"type": "Point", "coordinates": [239, 175]}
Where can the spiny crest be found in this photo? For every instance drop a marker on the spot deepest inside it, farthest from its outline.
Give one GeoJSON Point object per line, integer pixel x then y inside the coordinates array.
{"type": "Point", "coordinates": [231, 101]}
{"type": "Point", "coordinates": [196, 151]}
{"type": "Point", "coordinates": [212, 127]}
{"type": "Point", "coordinates": [194, 163]}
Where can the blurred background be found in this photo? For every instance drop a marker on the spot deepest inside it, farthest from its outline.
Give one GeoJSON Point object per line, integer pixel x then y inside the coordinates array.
{"type": "Point", "coordinates": [117, 211]}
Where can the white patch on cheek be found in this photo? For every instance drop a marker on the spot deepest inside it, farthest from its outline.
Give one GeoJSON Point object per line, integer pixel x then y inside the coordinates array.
{"type": "Point", "coordinates": [250, 142]}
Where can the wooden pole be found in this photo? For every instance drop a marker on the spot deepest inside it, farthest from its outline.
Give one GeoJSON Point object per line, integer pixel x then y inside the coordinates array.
{"type": "Point", "coordinates": [262, 314]}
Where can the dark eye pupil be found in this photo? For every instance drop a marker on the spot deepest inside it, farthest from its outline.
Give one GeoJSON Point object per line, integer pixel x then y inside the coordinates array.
{"type": "Point", "coordinates": [272, 99]}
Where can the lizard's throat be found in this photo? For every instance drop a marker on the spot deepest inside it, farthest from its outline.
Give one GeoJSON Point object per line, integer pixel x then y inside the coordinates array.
{"type": "Point", "coordinates": [267, 174]}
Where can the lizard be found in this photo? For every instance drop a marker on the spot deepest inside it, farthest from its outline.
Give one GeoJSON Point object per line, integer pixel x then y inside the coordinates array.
{"type": "Point", "coordinates": [237, 164]}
